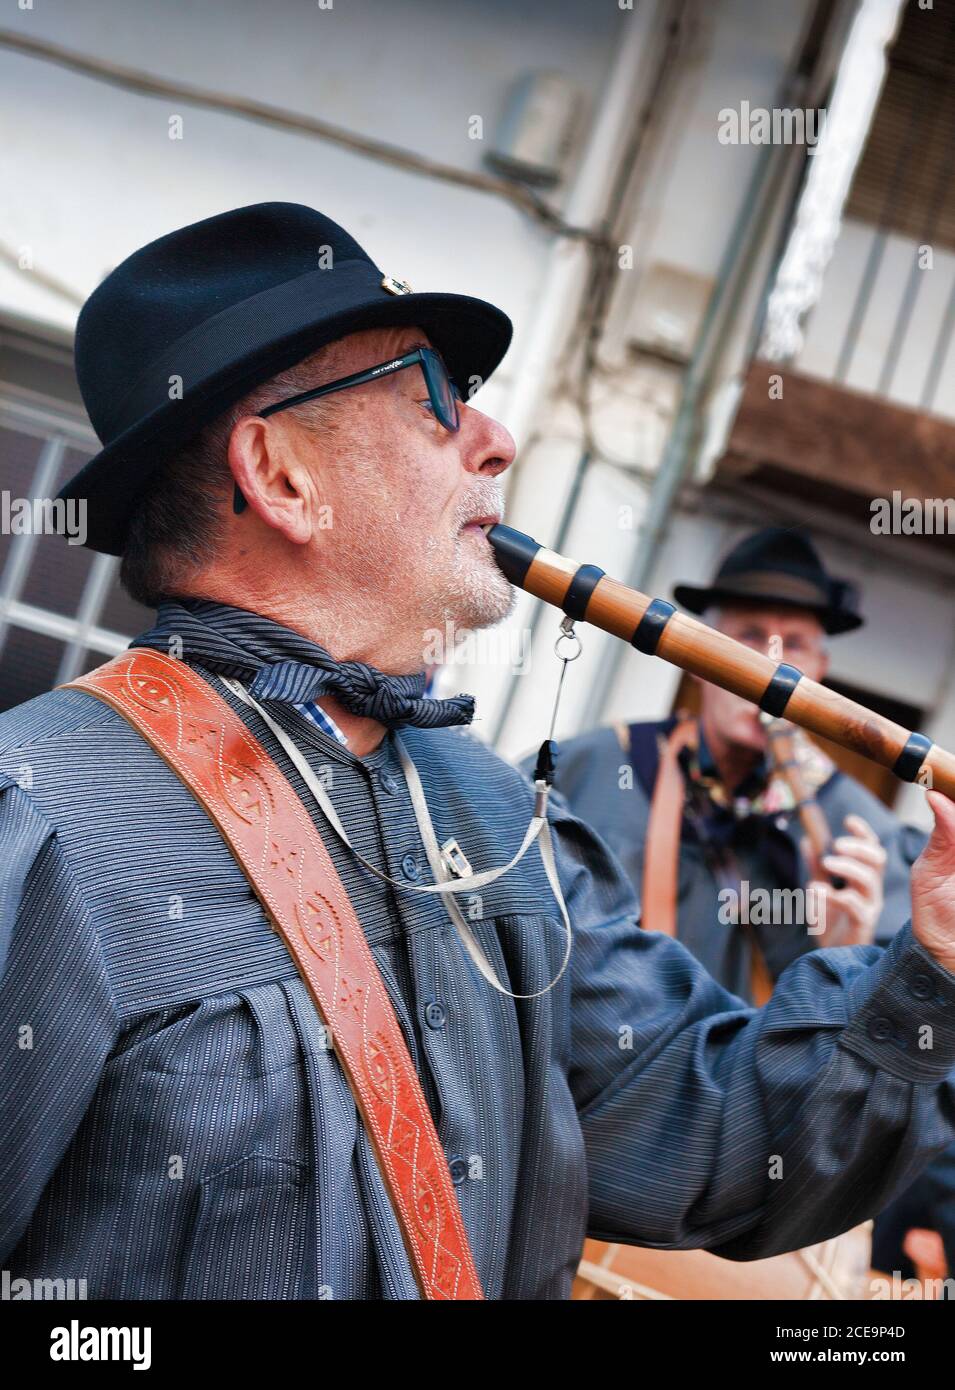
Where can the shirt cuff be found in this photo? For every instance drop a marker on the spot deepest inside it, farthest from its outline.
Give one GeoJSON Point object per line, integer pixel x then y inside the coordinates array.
{"type": "Point", "coordinates": [902, 1013]}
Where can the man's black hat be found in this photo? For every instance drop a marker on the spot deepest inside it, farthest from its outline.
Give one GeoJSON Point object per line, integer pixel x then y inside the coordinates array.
{"type": "Point", "coordinates": [221, 306]}
{"type": "Point", "coordinates": [780, 566]}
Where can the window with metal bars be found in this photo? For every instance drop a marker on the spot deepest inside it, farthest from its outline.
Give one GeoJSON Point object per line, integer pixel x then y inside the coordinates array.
{"type": "Point", "coordinates": [62, 611]}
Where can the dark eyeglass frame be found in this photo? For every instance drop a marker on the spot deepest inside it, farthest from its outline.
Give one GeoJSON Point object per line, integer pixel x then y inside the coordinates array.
{"type": "Point", "coordinates": [442, 393]}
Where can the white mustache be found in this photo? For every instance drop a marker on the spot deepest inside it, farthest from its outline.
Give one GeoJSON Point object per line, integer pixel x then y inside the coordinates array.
{"type": "Point", "coordinates": [484, 501]}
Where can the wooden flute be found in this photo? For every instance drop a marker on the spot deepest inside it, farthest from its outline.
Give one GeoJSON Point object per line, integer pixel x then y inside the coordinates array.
{"type": "Point", "coordinates": [654, 627]}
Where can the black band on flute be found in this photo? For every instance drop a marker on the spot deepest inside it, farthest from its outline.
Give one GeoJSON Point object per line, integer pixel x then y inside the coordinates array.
{"type": "Point", "coordinates": [781, 686]}
{"type": "Point", "coordinates": [913, 755]}
{"type": "Point", "coordinates": [650, 627]}
{"type": "Point", "coordinates": [581, 587]}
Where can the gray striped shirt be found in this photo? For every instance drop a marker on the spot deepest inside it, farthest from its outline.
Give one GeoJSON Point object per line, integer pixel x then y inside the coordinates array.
{"type": "Point", "coordinates": [172, 1126]}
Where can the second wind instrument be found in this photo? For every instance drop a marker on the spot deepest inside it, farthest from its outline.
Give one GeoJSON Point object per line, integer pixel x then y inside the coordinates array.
{"type": "Point", "coordinates": [782, 750]}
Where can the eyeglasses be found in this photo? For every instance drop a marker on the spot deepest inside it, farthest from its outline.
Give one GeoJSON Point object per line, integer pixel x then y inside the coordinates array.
{"type": "Point", "coordinates": [443, 395]}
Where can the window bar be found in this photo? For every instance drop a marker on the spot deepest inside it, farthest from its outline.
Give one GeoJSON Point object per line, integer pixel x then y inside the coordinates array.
{"type": "Point", "coordinates": [97, 587]}
{"type": "Point", "coordinates": [915, 278]}
{"type": "Point", "coordinates": [903, 162]}
{"type": "Point", "coordinates": [943, 343]}
{"type": "Point", "coordinates": [21, 551]}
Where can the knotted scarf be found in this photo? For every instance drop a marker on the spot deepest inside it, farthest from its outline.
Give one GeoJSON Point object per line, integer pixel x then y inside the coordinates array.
{"type": "Point", "coordinates": [278, 664]}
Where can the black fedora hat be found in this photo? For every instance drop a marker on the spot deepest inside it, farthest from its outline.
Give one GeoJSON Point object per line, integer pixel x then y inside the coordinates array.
{"type": "Point", "coordinates": [778, 565]}
{"type": "Point", "coordinates": [190, 323]}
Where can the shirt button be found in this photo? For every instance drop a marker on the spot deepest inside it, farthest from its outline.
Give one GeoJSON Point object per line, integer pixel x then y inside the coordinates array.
{"type": "Point", "coordinates": [921, 987]}
{"type": "Point", "coordinates": [459, 1171]}
{"type": "Point", "coordinates": [435, 1014]}
{"type": "Point", "coordinates": [388, 782]}
{"type": "Point", "coordinates": [881, 1029]}
{"type": "Point", "coordinates": [410, 867]}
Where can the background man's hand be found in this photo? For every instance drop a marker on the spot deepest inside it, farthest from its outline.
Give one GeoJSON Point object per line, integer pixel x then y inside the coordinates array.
{"type": "Point", "coordinates": [850, 914]}
{"type": "Point", "coordinates": [933, 886]}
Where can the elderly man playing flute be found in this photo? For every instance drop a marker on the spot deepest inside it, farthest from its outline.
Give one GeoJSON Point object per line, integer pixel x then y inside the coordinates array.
{"type": "Point", "coordinates": [238, 996]}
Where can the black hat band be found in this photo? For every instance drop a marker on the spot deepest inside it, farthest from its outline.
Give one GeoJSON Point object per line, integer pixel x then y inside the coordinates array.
{"type": "Point", "coordinates": [766, 583]}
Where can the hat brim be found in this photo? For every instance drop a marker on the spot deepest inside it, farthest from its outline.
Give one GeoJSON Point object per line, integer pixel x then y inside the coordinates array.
{"type": "Point", "coordinates": [471, 334]}
{"type": "Point", "coordinates": [697, 599]}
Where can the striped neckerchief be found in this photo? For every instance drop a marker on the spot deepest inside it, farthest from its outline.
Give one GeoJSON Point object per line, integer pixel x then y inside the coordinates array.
{"type": "Point", "coordinates": [313, 711]}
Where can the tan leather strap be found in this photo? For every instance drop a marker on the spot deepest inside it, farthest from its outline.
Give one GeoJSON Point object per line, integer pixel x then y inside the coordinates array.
{"type": "Point", "coordinates": [281, 853]}
{"type": "Point", "coordinates": [662, 853]}
{"type": "Point", "coordinates": [760, 980]}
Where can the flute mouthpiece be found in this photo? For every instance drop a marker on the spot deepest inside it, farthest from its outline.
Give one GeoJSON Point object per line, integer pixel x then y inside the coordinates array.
{"type": "Point", "coordinates": [513, 551]}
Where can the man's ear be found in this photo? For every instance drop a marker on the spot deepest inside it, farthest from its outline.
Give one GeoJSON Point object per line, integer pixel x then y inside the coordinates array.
{"type": "Point", "coordinates": [259, 461]}
{"type": "Point", "coordinates": [246, 455]}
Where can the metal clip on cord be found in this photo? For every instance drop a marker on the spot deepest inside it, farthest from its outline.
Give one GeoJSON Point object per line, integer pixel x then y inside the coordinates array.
{"type": "Point", "coordinates": [546, 764]}
{"type": "Point", "coordinates": [538, 829]}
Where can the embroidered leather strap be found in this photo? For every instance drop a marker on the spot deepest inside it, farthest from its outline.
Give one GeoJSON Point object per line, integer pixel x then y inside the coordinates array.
{"type": "Point", "coordinates": [281, 853]}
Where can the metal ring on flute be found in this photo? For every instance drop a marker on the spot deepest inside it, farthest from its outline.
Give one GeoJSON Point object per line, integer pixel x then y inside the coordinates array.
{"type": "Point", "coordinates": [567, 634]}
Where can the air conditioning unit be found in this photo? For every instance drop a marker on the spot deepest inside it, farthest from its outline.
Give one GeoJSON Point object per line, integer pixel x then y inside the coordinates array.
{"type": "Point", "coordinates": [668, 311]}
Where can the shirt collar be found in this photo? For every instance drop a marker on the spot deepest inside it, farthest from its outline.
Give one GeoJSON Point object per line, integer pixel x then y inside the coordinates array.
{"type": "Point", "coordinates": [752, 784]}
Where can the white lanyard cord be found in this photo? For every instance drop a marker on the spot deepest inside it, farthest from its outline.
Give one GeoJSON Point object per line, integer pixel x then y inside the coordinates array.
{"type": "Point", "coordinates": [538, 829]}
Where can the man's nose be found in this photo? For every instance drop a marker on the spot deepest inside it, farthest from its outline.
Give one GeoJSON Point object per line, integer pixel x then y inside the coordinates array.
{"type": "Point", "coordinates": [488, 446]}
